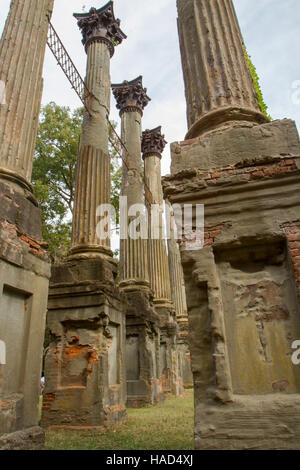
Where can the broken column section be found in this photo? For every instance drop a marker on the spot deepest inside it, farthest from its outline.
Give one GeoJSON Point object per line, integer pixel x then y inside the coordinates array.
{"type": "Point", "coordinates": [24, 263]}
{"type": "Point", "coordinates": [242, 285]}
{"type": "Point", "coordinates": [142, 332]}
{"type": "Point", "coordinates": [85, 364]}
{"type": "Point", "coordinates": [153, 144]}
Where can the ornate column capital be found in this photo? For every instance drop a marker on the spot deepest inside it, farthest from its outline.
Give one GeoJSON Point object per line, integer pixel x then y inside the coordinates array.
{"type": "Point", "coordinates": [100, 26]}
{"type": "Point", "coordinates": [153, 142]}
{"type": "Point", "coordinates": [131, 95]}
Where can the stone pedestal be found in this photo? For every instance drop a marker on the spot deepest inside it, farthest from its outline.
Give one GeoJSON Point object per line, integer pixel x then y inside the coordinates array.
{"type": "Point", "coordinates": [24, 263]}
{"type": "Point", "coordinates": [242, 286]}
{"type": "Point", "coordinates": [152, 146]}
{"type": "Point", "coordinates": [85, 363]}
{"type": "Point", "coordinates": [142, 351]}
{"type": "Point", "coordinates": [142, 332]}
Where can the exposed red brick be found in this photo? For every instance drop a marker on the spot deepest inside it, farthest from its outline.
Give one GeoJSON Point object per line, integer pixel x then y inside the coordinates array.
{"type": "Point", "coordinates": [292, 231]}
{"type": "Point", "coordinates": [295, 252]}
{"type": "Point", "coordinates": [212, 232]}
{"type": "Point", "coordinates": [48, 399]}
{"type": "Point", "coordinates": [268, 170]}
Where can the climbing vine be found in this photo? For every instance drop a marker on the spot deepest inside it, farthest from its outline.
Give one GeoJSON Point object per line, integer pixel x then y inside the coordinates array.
{"type": "Point", "coordinates": [255, 78]}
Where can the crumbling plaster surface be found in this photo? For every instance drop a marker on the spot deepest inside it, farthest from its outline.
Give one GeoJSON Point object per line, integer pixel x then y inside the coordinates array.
{"type": "Point", "coordinates": [243, 285]}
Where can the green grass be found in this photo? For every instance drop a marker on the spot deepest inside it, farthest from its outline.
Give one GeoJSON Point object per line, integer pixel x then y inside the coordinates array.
{"type": "Point", "coordinates": [167, 426]}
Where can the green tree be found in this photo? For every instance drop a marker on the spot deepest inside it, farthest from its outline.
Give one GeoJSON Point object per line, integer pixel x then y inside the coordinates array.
{"type": "Point", "coordinates": [54, 173]}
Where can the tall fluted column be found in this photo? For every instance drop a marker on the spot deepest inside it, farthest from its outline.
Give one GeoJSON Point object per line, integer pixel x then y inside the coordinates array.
{"type": "Point", "coordinates": [176, 273]}
{"type": "Point", "coordinates": [22, 51]}
{"type": "Point", "coordinates": [24, 263]}
{"type": "Point", "coordinates": [100, 32]}
{"type": "Point", "coordinates": [131, 99]}
{"type": "Point", "coordinates": [218, 83]}
{"type": "Point", "coordinates": [153, 145]}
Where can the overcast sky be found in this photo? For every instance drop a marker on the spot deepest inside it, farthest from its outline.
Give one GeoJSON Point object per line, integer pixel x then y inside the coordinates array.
{"type": "Point", "coordinates": [270, 29]}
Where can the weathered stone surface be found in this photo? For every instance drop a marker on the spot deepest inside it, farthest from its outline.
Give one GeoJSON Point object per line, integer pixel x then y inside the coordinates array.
{"type": "Point", "coordinates": [85, 364]}
{"type": "Point", "coordinates": [20, 211]}
{"type": "Point", "coordinates": [100, 25]}
{"type": "Point", "coordinates": [24, 263]}
{"type": "Point", "coordinates": [27, 439]}
{"type": "Point", "coordinates": [153, 142]}
{"type": "Point", "coordinates": [22, 50]}
{"type": "Point", "coordinates": [131, 95]}
{"type": "Point", "coordinates": [247, 143]}
{"type": "Point", "coordinates": [218, 84]}
{"type": "Point", "coordinates": [244, 283]}
{"type": "Point", "coordinates": [159, 266]}
{"type": "Point", "coordinates": [142, 351]}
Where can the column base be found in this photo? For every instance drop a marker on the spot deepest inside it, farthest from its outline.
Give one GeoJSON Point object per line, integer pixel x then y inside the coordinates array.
{"type": "Point", "coordinates": [134, 285]}
{"type": "Point", "coordinates": [221, 117]}
{"type": "Point", "coordinates": [90, 251]}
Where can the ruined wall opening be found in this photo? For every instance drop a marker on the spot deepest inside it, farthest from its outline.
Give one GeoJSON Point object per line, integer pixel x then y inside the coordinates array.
{"type": "Point", "coordinates": [15, 321]}
{"type": "Point", "coordinates": [261, 317]}
{"type": "Point", "coordinates": [132, 358]}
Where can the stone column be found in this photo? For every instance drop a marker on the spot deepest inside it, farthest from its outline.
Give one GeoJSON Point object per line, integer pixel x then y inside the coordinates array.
{"type": "Point", "coordinates": [100, 32]}
{"type": "Point", "coordinates": [153, 145]}
{"type": "Point", "coordinates": [131, 100]}
{"type": "Point", "coordinates": [179, 300]}
{"type": "Point", "coordinates": [175, 268]}
{"type": "Point", "coordinates": [24, 263]}
{"type": "Point", "coordinates": [22, 51]}
{"type": "Point", "coordinates": [86, 312]}
{"type": "Point", "coordinates": [142, 332]}
{"type": "Point", "coordinates": [218, 83]}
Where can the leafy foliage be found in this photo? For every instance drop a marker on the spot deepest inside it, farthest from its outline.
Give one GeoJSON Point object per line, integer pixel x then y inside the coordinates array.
{"type": "Point", "coordinates": [255, 78]}
{"type": "Point", "coordinates": [54, 174]}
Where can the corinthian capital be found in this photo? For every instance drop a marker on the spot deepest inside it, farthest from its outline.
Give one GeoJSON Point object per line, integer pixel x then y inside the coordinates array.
{"type": "Point", "coordinates": [131, 95]}
{"type": "Point", "coordinates": [100, 26]}
{"type": "Point", "coordinates": [153, 142]}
